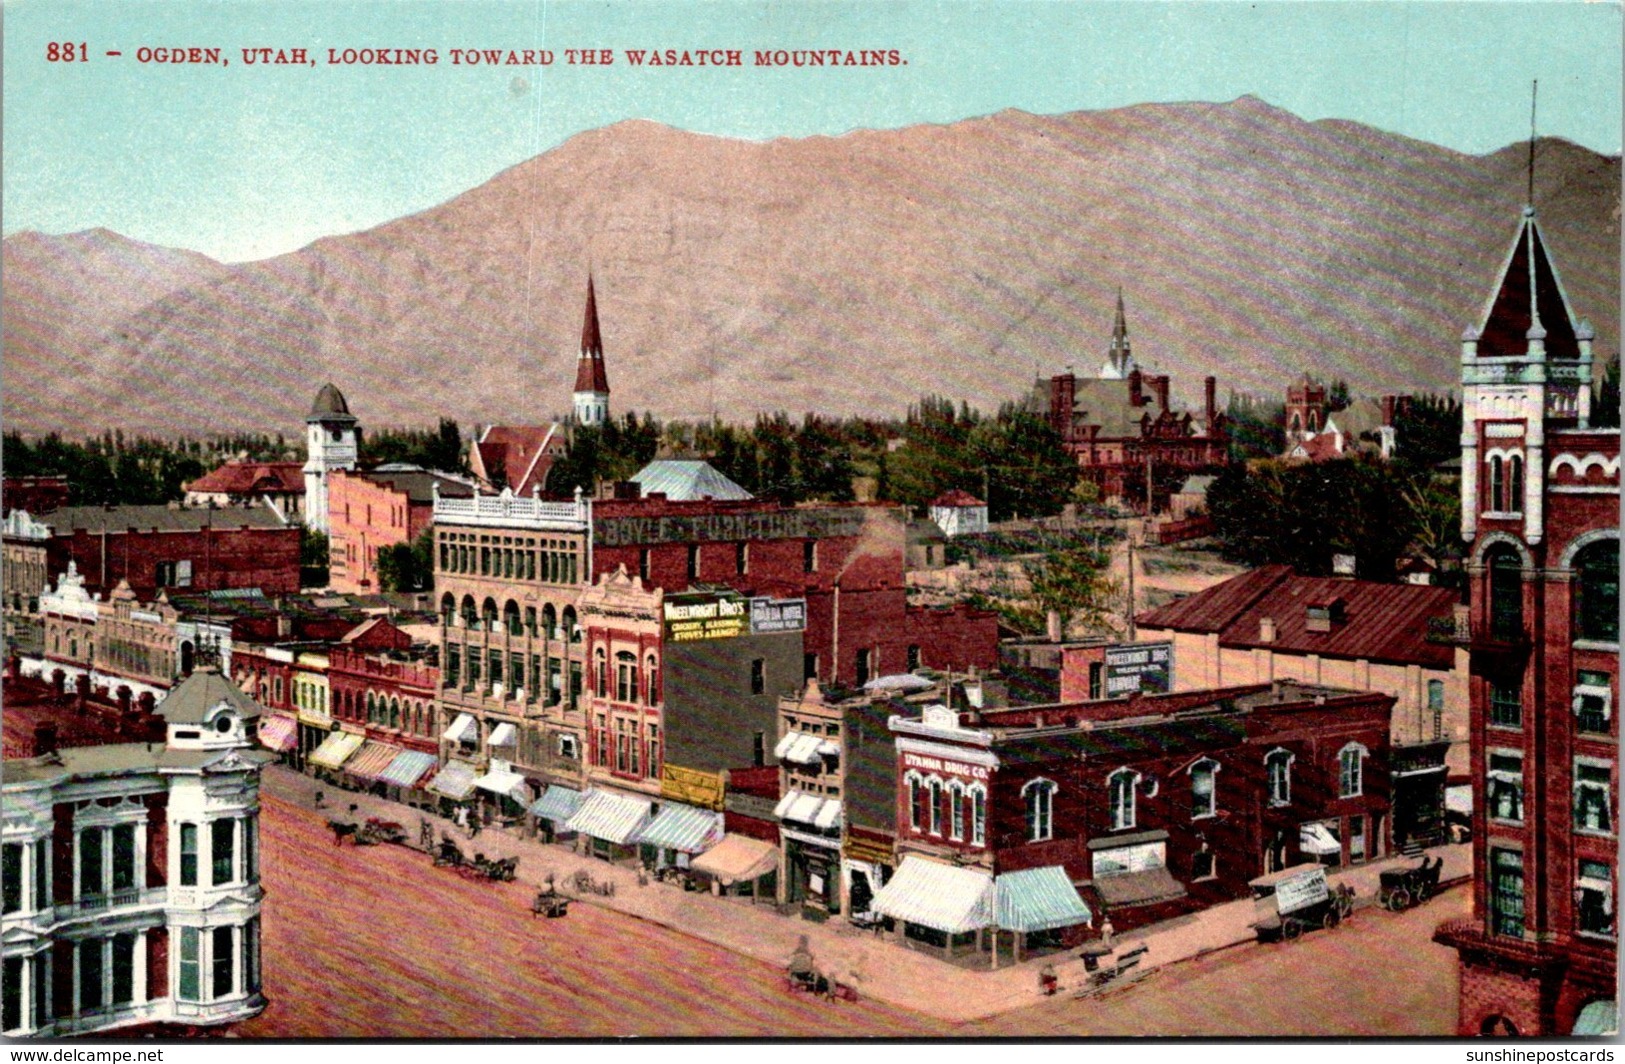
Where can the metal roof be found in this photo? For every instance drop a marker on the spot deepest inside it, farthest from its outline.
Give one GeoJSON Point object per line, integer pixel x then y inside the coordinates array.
{"type": "Point", "coordinates": [117, 519]}
{"type": "Point", "coordinates": [687, 479]}
{"type": "Point", "coordinates": [191, 701]}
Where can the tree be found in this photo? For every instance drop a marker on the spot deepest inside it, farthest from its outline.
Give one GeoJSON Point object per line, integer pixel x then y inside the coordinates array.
{"type": "Point", "coordinates": [1025, 469]}
{"type": "Point", "coordinates": [1071, 582]}
{"type": "Point", "coordinates": [1337, 398]}
{"type": "Point", "coordinates": [1255, 427]}
{"type": "Point", "coordinates": [408, 566]}
{"type": "Point", "coordinates": [313, 558]}
{"type": "Point", "coordinates": [1427, 431]}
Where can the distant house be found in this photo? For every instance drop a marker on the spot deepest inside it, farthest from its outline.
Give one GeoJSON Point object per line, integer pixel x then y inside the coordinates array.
{"type": "Point", "coordinates": [279, 485]}
{"type": "Point", "coordinates": [1315, 434]}
{"type": "Point", "coordinates": [959, 513]}
{"type": "Point", "coordinates": [517, 456]}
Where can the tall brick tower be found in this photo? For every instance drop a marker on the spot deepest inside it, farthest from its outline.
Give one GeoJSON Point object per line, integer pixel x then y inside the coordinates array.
{"type": "Point", "coordinates": [592, 383]}
{"type": "Point", "coordinates": [1539, 513]}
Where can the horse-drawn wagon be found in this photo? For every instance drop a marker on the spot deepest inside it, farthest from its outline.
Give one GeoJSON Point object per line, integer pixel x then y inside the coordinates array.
{"type": "Point", "coordinates": [1297, 899]}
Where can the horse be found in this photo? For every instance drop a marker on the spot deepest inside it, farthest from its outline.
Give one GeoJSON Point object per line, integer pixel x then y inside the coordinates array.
{"type": "Point", "coordinates": [343, 830]}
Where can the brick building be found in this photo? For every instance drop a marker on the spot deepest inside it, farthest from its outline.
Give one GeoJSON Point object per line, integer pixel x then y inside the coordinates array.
{"type": "Point", "coordinates": [136, 646]}
{"type": "Point", "coordinates": [155, 547]}
{"type": "Point", "coordinates": [1540, 511]}
{"type": "Point", "coordinates": [1151, 806]}
{"type": "Point", "coordinates": [384, 689]}
{"type": "Point", "coordinates": [376, 508]}
{"type": "Point", "coordinates": [1121, 427]}
{"type": "Point", "coordinates": [131, 875]}
{"type": "Point", "coordinates": [25, 574]}
{"type": "Point", "coordinates": [517, 457]}
{"type": "Point", "coordinates": [37, 495]}
{"type": "Point", "coordinates": [277, 485]}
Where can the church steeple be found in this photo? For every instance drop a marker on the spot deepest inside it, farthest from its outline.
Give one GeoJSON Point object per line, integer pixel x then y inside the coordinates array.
{"type": "Point", "coordinates": [592, 383]}
{"type": "Point", "coordinates": [1120, 357]}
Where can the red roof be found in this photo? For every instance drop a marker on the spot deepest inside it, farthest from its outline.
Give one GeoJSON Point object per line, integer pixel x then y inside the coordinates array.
{"type": "Point", "coordinates": [1506, 326]}
{"type": "Point", "coordinates": [253, 478]}
{"type": "Point", "coordinates": [524, 454]}
{"type": "Point", "coordinates": [1321, 448]}
{"type": "Point", "coordinates": [957, 498]}
{"type": "Point", "coordinates": [590, 375]}
{"type": "Point", "coordinates": [1381, 622]}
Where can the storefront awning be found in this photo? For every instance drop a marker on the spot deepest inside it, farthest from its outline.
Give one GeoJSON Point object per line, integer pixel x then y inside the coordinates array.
{"type": "Point", "coordinates": [370, 761]}
{"type": "Point", "coordinates": [464, 729]}
{"type": "Point", "coordinates": [455, 780]}
{"type": "Point", "coordinates": [1318, 840]}
{"type": "Point", "coordinates": [279, 733]}
{"type": "Point", "coordinates": [611, 817]}
{"type": "Point", "coordinates": [939, 896]}
{"type": "Point", "coordinates": [803, 748]}
{"type": "Point", "coordinates": [1139, 888]}
{"type": "Point", "coordinates": [1597, 1018]}
{"type": "Point", "coordinates": [503, 735]}
{"type": "Point", "coordinates": [508, 784]}
{"type": "Point", "coordinates": [336, 749]}
{"type": "Point", "coordinates": [738, 859]}
{"type": "Point", "coordinates": [1038, 899]}
{"type": "Point", "coordinates": [558, 804]}
{"type": "Point", "coordinates": [682, 828]}
{"type": "Point", "coordinates": [804, 808]}
{"type": "Point", "coordinates": [408, 768]}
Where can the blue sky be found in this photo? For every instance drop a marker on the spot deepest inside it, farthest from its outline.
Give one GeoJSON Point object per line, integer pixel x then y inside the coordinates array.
{"type": "Point", "coordinates": [244, 162]}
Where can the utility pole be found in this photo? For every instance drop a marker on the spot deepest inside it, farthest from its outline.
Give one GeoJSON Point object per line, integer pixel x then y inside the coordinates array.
{"type": "Point", "coordinates": [1131, 585]}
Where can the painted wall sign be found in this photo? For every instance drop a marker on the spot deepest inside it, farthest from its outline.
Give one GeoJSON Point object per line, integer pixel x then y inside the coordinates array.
{"type": "Point", "coordinates": [926, 763]}
{"type": "Point", "coordinates": [778, 615]}
{"type": "Point", "coordinates": [1139, 667]}
{"type": "Point", "coordinates": [705, 616]}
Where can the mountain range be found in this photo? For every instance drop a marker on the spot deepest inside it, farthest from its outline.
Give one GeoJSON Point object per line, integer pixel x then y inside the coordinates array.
{"type": "Point", "coordinates": [846, 275]}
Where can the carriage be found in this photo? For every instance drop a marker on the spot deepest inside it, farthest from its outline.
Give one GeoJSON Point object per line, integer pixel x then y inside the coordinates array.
{"type": "Point", "coordinates": [1295, 900]}
{"type": "Point", "coordinates": [1400, 889]}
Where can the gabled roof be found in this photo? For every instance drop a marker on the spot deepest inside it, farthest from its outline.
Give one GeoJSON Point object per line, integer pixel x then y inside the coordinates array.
{"type": "Point", "coordinates": [1517, 303]}
{"type": "Point", "coordinates": [590, 375]}
{"type": "Point", "coordinates": [957, 497]}
{"type": "Point", "coordinates": [418, 484]}
{"type": "Point", "coordinates": [524, 454]}
{"type": "Point", "coordinates": [1381, 622]}
{"type": "Point", "coordinates": [1360, 417]}
{"type": "Point", "coordinates": [193, 697]}
{"type": "Point", "coordinates": [687, 479]}
{"type": "Point", "coordinates": [252, 478]}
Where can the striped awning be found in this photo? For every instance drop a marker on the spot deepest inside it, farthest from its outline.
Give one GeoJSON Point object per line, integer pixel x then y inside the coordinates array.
{"type": "Point", "coordinates": [503, 734]}
{"type": "Point", "coordinates": [738, 859]}
{"type": "Point", "coordinates": [803, 748]}
{"type": "Point", "coordinates": [939, 896]}
{"type": "Point", "coordinates": [611, 817]}
{"type": "Point", "coordinates": [336, 749]}
{"type": "Point", "coordinates": [1038, 899]}
{"type": "Point", "coordinates": [510, 784]}
{"type": "Point", "coordinates": [279, 733]}
{"type": "Point", "coordinates": [369, 762]}
{"type": "Point", "coordinates": [558, 804]}
{"type": "Point", "coordinates": [455, 780]}
{"type": "Point", "coordinates": [683, 828]}
{"type": "Point", "coordinates": [408, 768]}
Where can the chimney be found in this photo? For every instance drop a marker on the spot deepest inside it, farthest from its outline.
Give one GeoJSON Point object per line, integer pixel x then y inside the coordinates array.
{"type": "Point", "coordinates": [1266, 629]}
{"type": "Point", "coordinates": [1210, 396]}
{"type": "Point", "coordinates": [1135, 379]}
{"type": "Point", "coordinates": [1160, 386]}
{"type": "Point", "coordinates": [44, 738]}
{"type": "Point", "coordinates": [1387, 411]}
{"type": "Point", "coordinates": [1052, 626]}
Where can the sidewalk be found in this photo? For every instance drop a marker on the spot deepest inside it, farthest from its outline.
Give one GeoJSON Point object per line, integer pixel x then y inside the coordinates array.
{"type": "Point", "coordinates": [877, 967]}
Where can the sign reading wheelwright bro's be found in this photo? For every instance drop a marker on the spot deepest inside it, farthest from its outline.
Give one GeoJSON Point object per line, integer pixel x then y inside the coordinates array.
{"type": "Point", "coordinates": [693, 615]}
{"type": "Point", "coordinates": [1146, 668]}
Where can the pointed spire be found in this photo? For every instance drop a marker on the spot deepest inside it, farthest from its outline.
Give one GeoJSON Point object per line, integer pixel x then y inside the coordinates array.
{"type": "Point", "coordinates": [590, 375]}
{"type": "Point", "coordinates": [591, 343]}
{"type": "Point", "coordinates": [1529, 302]}
{"type": "Point", "coordinates": [1120, 327]}
{"type": "Point", "coordinates": [1119, 357]}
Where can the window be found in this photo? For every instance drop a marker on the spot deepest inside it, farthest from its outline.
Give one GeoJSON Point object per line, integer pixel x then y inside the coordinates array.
{"type": "Point", "coordinates": [693, 561]}
{"type": "Point", "coordinates": [863, 665]}
{"type": "Point", "coordinates": [222, 851]}
{"type": "Point", "coordinates": [1202, 864]}
{"type": "Point", "coordinates": [1278, 773]}
{"type": "Point", "coordinates": [651, 758]}
{"type": "Point", "coordinates": [1592, 701]}
{"type": "Point", "coordinates": [1506, 594]}
{"type": "Point", "coordinates": [568, 748]}
{"type": "Point", "coordinates": [936, 807]}
{"type": "Point", "coordinates": [1592, 786]}
{"type": "Point", "coordinates": [913, 658]}
{"type": "Point", "coordinates": [1203, 775]}
{"type": "Point", "coordinates": [809, 556]}
{"type": "Point", "coordinates": [251, 955]}
{"type": "Point", "coordinates": [251, 850]}
{"type": "Point", "coordinates": [1039, 795]}
{"type": "Point", "coordinates": [1349, 771]}
{"type": "Point", "coordinates": [643, 564]}
{"type": "Point", "coordinates": [1095, 672]}
{"type": "Point", "coordinates": [90, 864]}
{"type": "Point", "coordinates": [956, 811]}
{"type": "Point", "coordinates": [1515, 484]}
{"type": "Point", "coordinates": [11, 880]}
{"type": "Point", "coordinates": [11, 1016]}
{"type": "Point", "coordinates": [809, 666]}
{"type": "Point", "coordinates": [42, 874]}
{"type": "Point", "coordinates": [454, 664]}
{"type": "Point", "coordinates": [1506, 786]}
{"type": "Point", "coordinates": [978, 818]}
{"type": "Point", "coordinates": [1506, 704]}
{"type": "Point", "coordinates": [224, 968]}
{"type": "Point", "coordinates": [1436, 706]}
{"type": "Point", "coordinates": [90, 975]}
{"type": "Point", "coordinates": [758, 676]}
{"type": "Point", "coordinates": [915, 787]}
{"type": "Point", "coordinates": [188, 855]}
{"type": "Point", "coordinates": [1506, 893]}
{"type": "Point", "coordinates": [511, 615]}
{"type": "Point", "coordinates": [1594, 899]}
{"type": "Point", "coordinates": [1497, 484]}
{"type": "Point", "coordinates": [1120, 785]}
{"type": "Point", "coordinates": [124, 857]}
{"type": "Point", "coordinates": [652, 679]}
{"type": "Point", "coordinates": [626, 676]}
{"type": "Point", "coordinates": [1596, 600]}
{"type": "Point", "coordinates": [123, 969]}
{"type": "Point", "coordinates": [742, 558]}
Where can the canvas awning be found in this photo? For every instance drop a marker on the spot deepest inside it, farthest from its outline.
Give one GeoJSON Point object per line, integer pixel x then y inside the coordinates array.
{"type": "Point", "coordinates": [1318, 840]}
{"type": "Point", "coordinates": [370, 761]}
{"type": "Point", "coordinates": [1038, 899]}
{"type": "Point", "coordinates": [557, 804]}
{"type": "Point", "coordinates": [611, 817]}
{"type": "Point", "coordinates": [1459, 799]}
{"type": "Point", "coordinates": [682, 828]}
{"type": "Point", "coordinates": [1139, 888]}
{"type": "Point", "coordinates": [804, 808]}
{"type": "Point", "coordinates": [803, 748]}
{"type": "Point", "coordinates": [1597, 1018]}
{"type": "Point", "coordinates": [503, 734]}
{"type": "Point", "coordinates": [336, 749]}
{"type": "Point", "coordinates": [939, 896]}
{"type": "Point", "coordinates": [408, 768]}
{"type": "Point", "coordinates": [738, 859]}
{"type": "Point", "coordinates": [455, 780]}
{"type": "Point", "coordinates": [464, 729]}
{"type": "Point", "coordinates": [279, 733]}
{"type": "Point", "coordinates": [503, 782]}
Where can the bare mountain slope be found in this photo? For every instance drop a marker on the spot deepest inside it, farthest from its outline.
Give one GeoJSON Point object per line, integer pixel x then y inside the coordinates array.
{"type": "Point", "coordinates": [851, 274]}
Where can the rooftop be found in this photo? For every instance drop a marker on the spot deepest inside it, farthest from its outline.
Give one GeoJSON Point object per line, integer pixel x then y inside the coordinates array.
{"type": "Point", "coordinates": [116, 519]}
{"type": "Point", "coordinates": [686, 480]}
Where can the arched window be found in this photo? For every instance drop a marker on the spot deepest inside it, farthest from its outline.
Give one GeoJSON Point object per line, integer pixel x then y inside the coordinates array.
{"type": "Point", "coordinates": [956, 811]}
{"type": "Point", "coordinates": [1351, 770]}
{"type": "Point", "coordinates": [372, 708]}
{"type": "Point", "coordinates": [448, 608]}
{"type": "Point", "coordinates": [652, 669]}
{"type": "Point", "coordinates": [1039, 796]}
{"type": "Point", "coordinates": [470, 615]}
{"type": "Point", "coordinates": [626, 676]}
{"type": "Point", "coordinates": [1596, 592]}
{"type": "Point", "coordinates": [1498, 485]}
{"type": "Point", "coordinates": [978, 815]}
{"type": "Point", "coordinates": [1515, 484]}
{"type": "Point", "coordinates": [395, 713]}
{"type": "Point", "coordinates": [1278, 775]}
{"type": "Point", "coordinates": [936, 807]}
{"type": "Point", "coordinates": [1506, 593]}
{"type": "Point", "coordinates": [1120, 785]}
{"type": "Point", "coordinates": [510, 613]}
{"type": "Point", "coordinates": [550, 622]}
{"type": "Point", "coordinates": [601, 672]}
{"type": "Point", "coordinates": [915, 787]}
{"type": "Point", "coordinates": [1204, 774]}
{"type": "Point", "coordinates": [530, 621]}
{"type": "Point", "coordinates": [488, 613]}
{"type": "Point", "coordinates": [1297, 424]}
{"type": "Point", "coordinates": [571, 631]}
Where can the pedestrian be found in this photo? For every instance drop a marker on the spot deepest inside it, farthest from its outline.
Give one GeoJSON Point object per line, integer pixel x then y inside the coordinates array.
{"type": "Point", "coordinates": [321, 802]}
{"type": "Point", "coordinates": [1048, 980]}
{"type": "Point", "coordinates": [1106, 932]}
